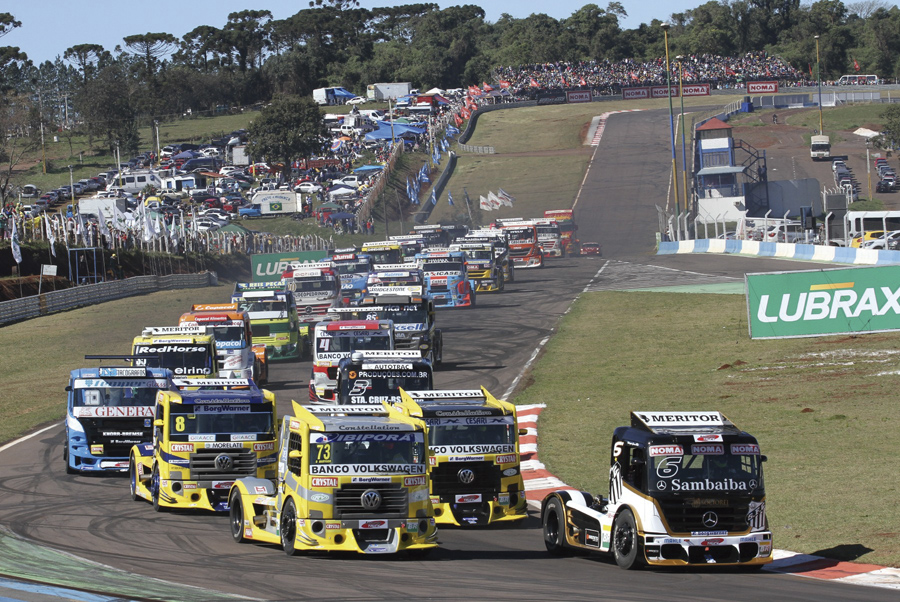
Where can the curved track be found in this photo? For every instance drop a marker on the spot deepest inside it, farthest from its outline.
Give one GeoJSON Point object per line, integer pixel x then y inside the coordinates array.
{"type": "Point", "coordinates": [94, 518]}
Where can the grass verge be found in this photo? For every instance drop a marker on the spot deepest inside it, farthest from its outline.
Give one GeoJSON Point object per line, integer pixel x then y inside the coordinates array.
{"type": "Point", "coordinates": [822, 408]}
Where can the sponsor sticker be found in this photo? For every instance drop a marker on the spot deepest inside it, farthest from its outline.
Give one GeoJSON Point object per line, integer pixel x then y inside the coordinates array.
{"type": "Point", "coordinates": [503, 499]}
{"type": "Point", "coordinates": [414, 481]}
{"type": "Point", "coordinates": [465, 459]}
{"type": "Point", "coordinates": [324, 482]}
{"type": "Point", "coordinates": [270, 446]}
{"type": "Point", "coordinates": [412, 527]}
{"type": "Point", "coordinates": [222, 484]}
{"type": "Point", "coordinates": [507, 459]}
{"type": "Point", "coordinates": [259, 489]}
{"type": "Point", "coordinates": [182, 447]}
{"type": "Point", "coordinates": [509, 472]}
{"type": "Point", "coordinates": [332, 525]}
{"type": "Point", "coordinates": [666, 450]}
{"type": "Point", "coordinates": [707, 438]}
{"type": "Point", "coordinates": [319, 497]}
{"type": "Point", "coordinates": [96, 450]}
{"type": "Point", "coordinates": [373, 524]}
{"type": "Point", "coordinates": [467, 498]}
{"type": "Point", "coordinates": [189, 485]}
{"type": "Point", "coordinates": [744, 449]}
{"type": "Point", "coordinates": [248, 532]}
{"type": "Point", "coordinates": [708, 533]}
{"type": "Point", "coordinates": [370, 479]}
{"type": "Point", "coordinates": [592, 538]}
{"type": "Point", "coordinates": [708, 449]}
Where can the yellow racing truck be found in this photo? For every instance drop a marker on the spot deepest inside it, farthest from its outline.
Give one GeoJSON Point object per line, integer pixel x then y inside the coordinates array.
{"type": "Point", "coordinates": [188, 351]}
{"type": "Point", "coordinates": [206, 434]}
{"type": "Point", "coordinates": [349, 479]}
{"type": "Point", "coordinates": [473, 443]}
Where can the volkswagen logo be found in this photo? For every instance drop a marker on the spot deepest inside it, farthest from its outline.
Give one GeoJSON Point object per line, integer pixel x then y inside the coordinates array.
{"type": "Point", "coordinates": [466, 476]}
{"type": "Point", "coordinates": [224, 463]}
{"type": "Point", "coordinates": [370, 499]}
{"type": "Point", "coordinates": [710, 520]}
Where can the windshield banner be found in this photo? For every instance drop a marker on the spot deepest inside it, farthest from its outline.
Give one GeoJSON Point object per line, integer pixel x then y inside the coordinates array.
{"type": "Point", "coordinates": [823, 302]}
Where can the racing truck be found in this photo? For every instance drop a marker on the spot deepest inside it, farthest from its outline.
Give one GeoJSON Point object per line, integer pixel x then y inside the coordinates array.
{"type": "Point", "coordinates": [501, 249]}
{"type": "Point", "coordinates": [549, 237]}
{"type": "Point", "coordinates": [523, 243]}
{"type": "Point", "coordinates": [567, 228]}
{"type": "Point", "coordinates": [414, 320]}
{"type": "Point", "coordinates": [473, 446]}
{"type": "Point", "coordinates": [385, 251]}
{"type": "Point", "coordinates": [349, 479]}
{"type": "Point", "coordinates": [206, 434]}
{"type": "Point", "coordinates": [368, 381]}
{"type": "Point", "coordinates": [315, 289]}
{"type": "Point", "coordinates": [399, 278]}
{"type": "Point", "coordinates": [482, 266]}
{"type": "Point", "coordinates": [410, 245]}
{"type": "Point", "coordinates": [435, 236]}
{"type": "Point", "coordinates": [230, 325]}
{"type": "Point", "coordinates": [353, 270]}
{"type": "Point", "coordinates": [446, 278]}
{"type": "Point", "coordinates": [108, 410]}
{"type": "Point", "coordinates": [188, 351]}
{"type": "Point", "coordinates": [685, 488]}
{"type": "Point", "coordinates": [335, 340]}
{"type": "Point", "coordinates": [273, 318]}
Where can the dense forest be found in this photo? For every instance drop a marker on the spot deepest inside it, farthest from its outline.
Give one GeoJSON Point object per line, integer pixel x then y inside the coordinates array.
{"type": "Point", "coordinates": [107, 93]}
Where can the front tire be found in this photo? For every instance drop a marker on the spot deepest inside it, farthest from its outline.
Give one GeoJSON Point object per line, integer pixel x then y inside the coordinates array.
{"type": "Point", "coordinates": [288, 528]}
{"type": "Point", "coordinates": [69, 469]}
{"type": "Point", "coordinates": [236, 517]}
{"type": "Point", "coordinates": [154, 490]}
{"type": "Point", "coordinates": [554, 527]}
{"type": "Point", "coordinates": [133, 481]}
{"type": "Point", "coordinates": [627, 547]}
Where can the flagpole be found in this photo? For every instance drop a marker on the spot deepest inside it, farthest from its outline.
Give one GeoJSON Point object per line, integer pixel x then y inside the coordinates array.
{"type": "Point", "coordinates": [468, 207]}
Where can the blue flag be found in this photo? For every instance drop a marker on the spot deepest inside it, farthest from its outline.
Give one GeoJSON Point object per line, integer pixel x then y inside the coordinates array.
{"type": "Point", "coordinates": [433, 198]}
{"type": "Point", "coordinates": [449, 198]}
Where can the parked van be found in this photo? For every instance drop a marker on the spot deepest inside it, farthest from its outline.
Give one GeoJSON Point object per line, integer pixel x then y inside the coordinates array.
{"type": "Point", "coordinates": [207, 163]}
{"type": "Point", "coordinates": [136, 181]}
{"type": "Point", "coordinates": [858, 80]}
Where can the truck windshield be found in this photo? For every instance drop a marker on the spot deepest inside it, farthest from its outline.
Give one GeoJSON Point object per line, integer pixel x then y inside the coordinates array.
{"type": "Point", "coordinates": [520, 235]}
{"type": "Point", "coordinates": [350, 341]}
{"type": "Point", "coordinates": [239, 420]}
{"type": "Point", "coordinates": [231, 337]}
{"type": "Point", "coordinates": [448, 265]}
{"type": "Point", "coordinates": [116, 396]}
{"type": "Point", "coordinates": [483, 254]}
{"type": "Point", "coordinates": [362, 452]}
{"type": "Point", "coordinates": [457, 433]}
{"type": "Point", "coordinates": [313, 287]}
{"type": "Point", "coordinates": [820, 147]}
{"type": "Point", "coordinates": [346, 268]}
{"type": "Point", "coordinates": [258, 305]}
{"type": "Point", "coordinates": [402, 314]}
{"type": "Point", "coordinates": [548, 231]}
{"type": "Point", "coordinates": [713, 472]}
{"type": "Point", "coordinates": [377, 385]}
{"type": "Point", "coordinates": [386, 256]}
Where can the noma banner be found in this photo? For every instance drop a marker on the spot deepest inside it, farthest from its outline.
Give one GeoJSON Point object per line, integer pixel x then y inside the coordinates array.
{"type": "Point", "coordinates": [823, 302]}
{"type": "Point", "coordinates": [267, 267]}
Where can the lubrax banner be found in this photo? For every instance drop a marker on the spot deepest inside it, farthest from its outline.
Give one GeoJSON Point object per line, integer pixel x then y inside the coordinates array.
{"type": "Point", "coordinates": [823, 302]}
{"type": "Point", "coordinates": [268, 267]}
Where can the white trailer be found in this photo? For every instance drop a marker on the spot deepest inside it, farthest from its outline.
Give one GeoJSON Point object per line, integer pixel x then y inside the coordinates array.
{"type": "Point", "coordinates": [102, 206]}
{"type": "Point", "coordinates": [386, 91]}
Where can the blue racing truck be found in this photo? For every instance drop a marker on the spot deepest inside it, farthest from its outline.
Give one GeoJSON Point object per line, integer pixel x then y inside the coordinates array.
{"type": "Point", "coordinates": [446, 278]}
{"type": "Point", "coordinates": [109, 410]}
{"type": "Point", "coordinates": [353, 269]}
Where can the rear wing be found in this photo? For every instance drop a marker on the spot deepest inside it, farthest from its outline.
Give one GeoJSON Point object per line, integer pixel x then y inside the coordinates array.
{"type": "Point", "coordinates": [213, 383]}
{"type": "Point", "coordinates": [175, 330]}
{"type": "Point", "coordinates": [682, 422]}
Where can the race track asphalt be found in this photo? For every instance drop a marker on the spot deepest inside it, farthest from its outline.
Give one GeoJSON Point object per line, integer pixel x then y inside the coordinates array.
{"type": "Point", "coordinates": [93, 517]}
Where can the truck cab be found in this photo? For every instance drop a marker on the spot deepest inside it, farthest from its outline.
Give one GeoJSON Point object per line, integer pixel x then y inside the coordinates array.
{"type": "Point", "coordinates": [523, 243]}
{"type": "Point", "coordinates": [349, 479]}
{"type": "Point", "coordinates": [206, 434]}
{"type": "Point", "coordinates": [369, 381]}
{"type": "Point", "coordinates": [315, 289]}
{"type": "Point", "coordinates": [474, 464]}
{"type": "Point", "coordinates": [382, 252]}
{"type": "Point", "coordinates": [188, 351]}
{"type": "Point", "coordinates": [230, 326]}
{"type": "Point", "coordinates": [109, 410]}
{"type": "Point", "coordinates": [446, 278]}
{"type": "Point", "coordinates": [413, 317]}
{"type": "Point", "coordinates": [567, 228]}
{"type": "Point", "coordinates": [820, 148]}
{"type": "Point", "coordinates": [685, 488]}
{"type": "Point", "coordinates": [410, 246]}
{"type": "Point", "coordinates": [501, 249]}
{"type": "Point", "coordinates": [335, 340]}
{"type": "Point", "coordinates": [274, 321]}
{"type": "Point", "coordinates": [482, 265]}
{"type": "Point", "coordinates": [549, 237]}
{"type": "Point", "coordinates": [353, 270]}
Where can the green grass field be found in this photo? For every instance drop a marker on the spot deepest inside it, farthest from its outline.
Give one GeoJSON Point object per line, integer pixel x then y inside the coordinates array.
{"type": "Point", "coordinates": [822, 408]}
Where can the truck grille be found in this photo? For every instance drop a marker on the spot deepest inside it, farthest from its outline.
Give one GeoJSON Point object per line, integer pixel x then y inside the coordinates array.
{"type": "Point", "coordinates": [348, 501]}
{"type": "Point", "coordinates": [114, 434]}
{"type": "Point", "coordinates": [407, 344]}
{"type": "Point", "coordinates": [445, 478]}
{"type": "Point", "coordinates": [520, 252]}
{"type": "Point", "coordinates": [479, 274]}
{"type": "Point", "coordinates": [439, 288]}
{"type": "Point", "coordinates": [684, 516]}
{"type": "Point", "coordinates": [203, 464]}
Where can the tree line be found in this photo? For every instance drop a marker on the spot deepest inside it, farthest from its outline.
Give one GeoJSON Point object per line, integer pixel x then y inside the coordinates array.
{"type": "Point", "coordinates": [108, 93]}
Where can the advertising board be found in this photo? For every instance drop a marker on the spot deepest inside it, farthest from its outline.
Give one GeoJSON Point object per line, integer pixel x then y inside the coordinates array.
{"type": "Point", "coordinates": [635, 93]}
{"type": "Point", "coordinates": [695, 90]}
{"type": "Point", "coordinates": [268, 267]}
{"type": "Point", "coordinates": [578, 96]}
{"type": "Point", "coordinates": [762, 87]}
{"type": "Point", "coordinates": [823, 302]}
{"type": "Point", "coordinates": [660, 92]}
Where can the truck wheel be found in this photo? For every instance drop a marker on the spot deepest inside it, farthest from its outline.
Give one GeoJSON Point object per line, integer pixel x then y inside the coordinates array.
{"type": "Point", "coordinates": [69, 469]}
{"type": "Point", "coordinates": [554, 521]}
{"type": "Point", "coordinates": [288, 528]}
{"type": "Point", "coordinates": [154, 490]}
{"type": "Point", "coordinates": [512, 273]}
{"type": "Point", "coordinates": [626, 543]}
{"type": "Point", "coordinates": [133, 481]}
{"type": "Point", "coordinates": [439, 350]}
{"type": "Point", "coordinates": [236, 515]}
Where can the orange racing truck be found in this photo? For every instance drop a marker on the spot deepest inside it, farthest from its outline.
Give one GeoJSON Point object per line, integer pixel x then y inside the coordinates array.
{"type": "Point", "coordinates": [567, 228]}
{"type": "Point", "coordinates": [238, 356]}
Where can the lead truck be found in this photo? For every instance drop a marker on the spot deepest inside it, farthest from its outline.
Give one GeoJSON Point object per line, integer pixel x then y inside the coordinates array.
{"type": "Point", "coordinates": [349, 479]}
{"type": "Point", "coordinates": [685, 488]}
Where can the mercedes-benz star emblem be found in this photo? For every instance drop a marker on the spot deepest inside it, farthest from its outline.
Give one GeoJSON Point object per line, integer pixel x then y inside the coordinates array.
{"type": "Point", "coordinates": [710, 520]}
{"type": "Point", "coordinates": [466, 476]}
{"type": "Point", "coordinates": [224, 463]}
{"type": "Point", "coordinates": [370, 499]}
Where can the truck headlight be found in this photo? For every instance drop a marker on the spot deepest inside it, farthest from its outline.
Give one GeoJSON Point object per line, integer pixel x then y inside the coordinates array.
{"type": "Point", "coordinates": [73, 424]}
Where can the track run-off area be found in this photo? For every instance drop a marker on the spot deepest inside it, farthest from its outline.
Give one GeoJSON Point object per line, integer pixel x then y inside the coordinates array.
{"type": "Point", "coordinates": [63, 536]}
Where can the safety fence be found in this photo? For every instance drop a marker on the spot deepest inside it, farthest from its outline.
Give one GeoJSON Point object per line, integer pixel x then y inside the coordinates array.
{"type": "Point", "coordinates": [823, 253]}
{"type": "Point", "coordinates": [47, 303]}
{"type": "Point", "coordinates": [478, 150]}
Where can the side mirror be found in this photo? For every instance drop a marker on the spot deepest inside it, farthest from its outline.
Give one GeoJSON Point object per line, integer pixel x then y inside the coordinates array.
{"type": "Point", "coordinates": [763, 458]}
{"type": "Point", "coordinates": [523, 431]}
{"type": "Point", "coordinates": [638, 462]}
{"type": "Point", "coordinates": [295, 454]}
{"type": "Point", "coordinates": [158, 422]}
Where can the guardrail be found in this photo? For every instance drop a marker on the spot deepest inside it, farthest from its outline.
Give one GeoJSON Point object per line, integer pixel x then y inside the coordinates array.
{"type": "Point", "coordinates": [79, 296]}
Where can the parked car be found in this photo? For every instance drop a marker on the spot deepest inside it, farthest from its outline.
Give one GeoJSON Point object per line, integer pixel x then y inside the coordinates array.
{"type": "Point", "coordinates": [357, 100]}
{"type": "Point", "coordinates": [883, 241]}
{"type": "Point", "coordinates": [884, 186]}
{"type": "Point", "coordinates": [30, 191]}
{"type": "Point", "coordinates": [308, 187]}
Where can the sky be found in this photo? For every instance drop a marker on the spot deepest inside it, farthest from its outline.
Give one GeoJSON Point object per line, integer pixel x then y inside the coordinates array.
{"type": "Point", "coordinates": [49, 27]}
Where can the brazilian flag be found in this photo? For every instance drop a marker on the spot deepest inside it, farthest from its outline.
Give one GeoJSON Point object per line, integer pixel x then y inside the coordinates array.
{"type": "Point", "coordinates": [275, 207]}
